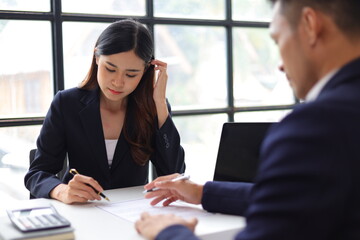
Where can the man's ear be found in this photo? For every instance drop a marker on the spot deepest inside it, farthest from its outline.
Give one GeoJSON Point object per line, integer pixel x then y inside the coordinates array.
{"type": "Point", "coordinates": [312, 25]}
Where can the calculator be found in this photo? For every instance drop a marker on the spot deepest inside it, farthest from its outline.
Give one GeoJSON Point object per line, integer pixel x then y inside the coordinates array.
{"type": "Point", "coordinates": [36, 218]}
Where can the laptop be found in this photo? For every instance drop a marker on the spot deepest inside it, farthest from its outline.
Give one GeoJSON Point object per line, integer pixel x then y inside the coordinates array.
{"type": "Point", "coordinates": [239, 150]}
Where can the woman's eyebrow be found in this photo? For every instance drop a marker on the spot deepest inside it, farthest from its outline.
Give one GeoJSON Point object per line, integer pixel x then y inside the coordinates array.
{"type": "Point", "coordinates": [111, 64]}
{"type": "Point", "coordinates": [132, 70]}
{"type": "Point", "coordinates": [129, 70]}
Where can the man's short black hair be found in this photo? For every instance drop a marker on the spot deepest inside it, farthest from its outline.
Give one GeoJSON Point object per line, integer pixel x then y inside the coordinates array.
{"type": "Point", "coordinates": [345, 13]}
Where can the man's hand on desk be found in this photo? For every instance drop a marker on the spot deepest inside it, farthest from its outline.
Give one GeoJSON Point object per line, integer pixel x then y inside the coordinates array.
{"type": "Point", "coordinates": [169, 191]}
{"type": "Point", "coordinates": [79, 189]}
{"type": "Point", "coordinates": [150, 226]}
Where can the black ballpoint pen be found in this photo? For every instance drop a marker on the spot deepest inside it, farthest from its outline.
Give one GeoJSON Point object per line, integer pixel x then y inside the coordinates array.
{"type": "Point", "coordinates": [73, 171]}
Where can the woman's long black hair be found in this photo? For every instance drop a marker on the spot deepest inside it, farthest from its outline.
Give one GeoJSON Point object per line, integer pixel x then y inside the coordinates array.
{"type": "Point", "coordinates": [123, 36]}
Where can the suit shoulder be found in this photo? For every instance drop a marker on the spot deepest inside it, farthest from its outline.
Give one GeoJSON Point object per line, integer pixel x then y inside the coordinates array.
{"type": "Point", "coordinates": [333, 107]}
{"type": "Point", "coordinates": [326, 120]}
{"type": "Point", "coordinates": [72, 92]}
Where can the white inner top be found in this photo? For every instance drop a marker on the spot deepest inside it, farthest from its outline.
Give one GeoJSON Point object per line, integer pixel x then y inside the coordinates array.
{"type": "Point", "coordinates": [110, 149]}
{"type": "Point", "coordinates": [316, 89]}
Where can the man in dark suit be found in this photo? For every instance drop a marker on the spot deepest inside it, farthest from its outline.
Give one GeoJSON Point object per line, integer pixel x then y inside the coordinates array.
{"type": "Point", "coordinates": [308, 184]}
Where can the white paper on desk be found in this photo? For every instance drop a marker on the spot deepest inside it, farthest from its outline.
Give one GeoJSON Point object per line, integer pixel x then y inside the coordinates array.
{"type": "Point", "coordinates": [131, 210]}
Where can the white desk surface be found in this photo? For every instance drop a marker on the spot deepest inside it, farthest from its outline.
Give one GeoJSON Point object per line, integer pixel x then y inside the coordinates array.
{"type": "Point", "coordinates": [91, 222]}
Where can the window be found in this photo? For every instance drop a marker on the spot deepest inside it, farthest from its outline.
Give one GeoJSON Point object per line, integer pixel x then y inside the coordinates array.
{"type": "Point", "coordinates": [198, 9]}
{"type": "Point", "coordinates": [110, 7]}
{"type": "Point", "coordinates": [25, 5]}
{"type": "Point", "coordinates": [26, 64]}
{"type": "Point", "coordinates": [197, 76]}
{"type": "Point", "coordinates": [78, 54]}
{"type": "Point", "coordinates": [261, 116]}
{"type": "Point", "coordinates": [257, 80]}
{"type": "Point", "coordinates": [250, 10]}
{"type": "Point", "coordinates": [15, 145]}
{"type": "Point", "coordinates": [200, 136]}
{"type": "Point", "coordinates": [222, 66]}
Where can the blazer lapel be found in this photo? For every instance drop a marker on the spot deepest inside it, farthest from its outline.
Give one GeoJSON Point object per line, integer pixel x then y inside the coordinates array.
{"type": "Point", "coordinates": [91, 121]}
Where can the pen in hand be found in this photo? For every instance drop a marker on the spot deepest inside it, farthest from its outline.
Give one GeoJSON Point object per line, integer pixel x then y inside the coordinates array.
{"type": "Point", "coordinates": [73, 171]}
{"type": "Point", "coordinates": [179, 178]}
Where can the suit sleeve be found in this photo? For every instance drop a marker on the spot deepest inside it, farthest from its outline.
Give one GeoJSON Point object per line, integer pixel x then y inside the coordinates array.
{"type": "Point", "coordinates": [169, 154]}
{"type": "Point", "coordinates": [226, 197]}
{"type": "Point", "coordinates": [49, 158]}
{"type": "Point", "coordinates": [176, 232]}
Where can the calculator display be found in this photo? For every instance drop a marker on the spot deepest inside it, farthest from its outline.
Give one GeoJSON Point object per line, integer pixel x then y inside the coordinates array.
{"type": "Point", "coordinates": [32, 212]}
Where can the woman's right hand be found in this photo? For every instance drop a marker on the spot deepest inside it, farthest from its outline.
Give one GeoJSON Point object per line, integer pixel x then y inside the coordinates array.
{"type": "Point", "coordinates": [79, 189]}
{"type": "Point", "coordinates": [169, 191]}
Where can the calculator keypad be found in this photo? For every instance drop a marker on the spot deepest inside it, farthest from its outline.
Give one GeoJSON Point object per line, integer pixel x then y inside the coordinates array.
{"type": "Point", "coordinates": [43, 222]}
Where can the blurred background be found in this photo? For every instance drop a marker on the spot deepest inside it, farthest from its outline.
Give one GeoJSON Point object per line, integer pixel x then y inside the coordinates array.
{"type": "Point", "coordinates": [222, 67]}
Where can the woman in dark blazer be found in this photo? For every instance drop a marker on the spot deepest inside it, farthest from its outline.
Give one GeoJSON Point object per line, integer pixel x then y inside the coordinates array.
{"type": "Point", "coordinates": [111, 125]}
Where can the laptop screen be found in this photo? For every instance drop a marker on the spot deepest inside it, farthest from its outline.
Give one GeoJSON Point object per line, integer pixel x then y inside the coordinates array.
{"type": "Point", "coordinates": [239, 150]}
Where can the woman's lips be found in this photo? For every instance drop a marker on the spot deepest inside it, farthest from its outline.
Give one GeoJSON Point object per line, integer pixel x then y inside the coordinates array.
{"type": "Point", "coordinates": [114, 92]}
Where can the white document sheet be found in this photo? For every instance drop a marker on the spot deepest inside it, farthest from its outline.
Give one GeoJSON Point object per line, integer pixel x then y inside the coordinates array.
{"type": "Point", "coordinates": [131, 210]}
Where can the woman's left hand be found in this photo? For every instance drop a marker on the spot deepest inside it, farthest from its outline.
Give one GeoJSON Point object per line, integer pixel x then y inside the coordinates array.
{"type": "Point", "coordinates": [161, 81]}
{"type": "Point", "coordinates": [160, 91]}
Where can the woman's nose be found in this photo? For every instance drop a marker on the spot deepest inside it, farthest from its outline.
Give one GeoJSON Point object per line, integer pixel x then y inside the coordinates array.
{"type": "Point", "coordinates": [118, 81]}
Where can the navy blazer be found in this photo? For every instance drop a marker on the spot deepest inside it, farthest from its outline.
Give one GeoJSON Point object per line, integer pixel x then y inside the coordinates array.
{"type": "Point", "coordinates": [73, 126]}
{"type": "Point", "coordinates": [308, 184]}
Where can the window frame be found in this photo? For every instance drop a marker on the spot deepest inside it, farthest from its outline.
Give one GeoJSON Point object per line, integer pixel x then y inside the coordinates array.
{"type": "Point", "coordinates": [56, 17]}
